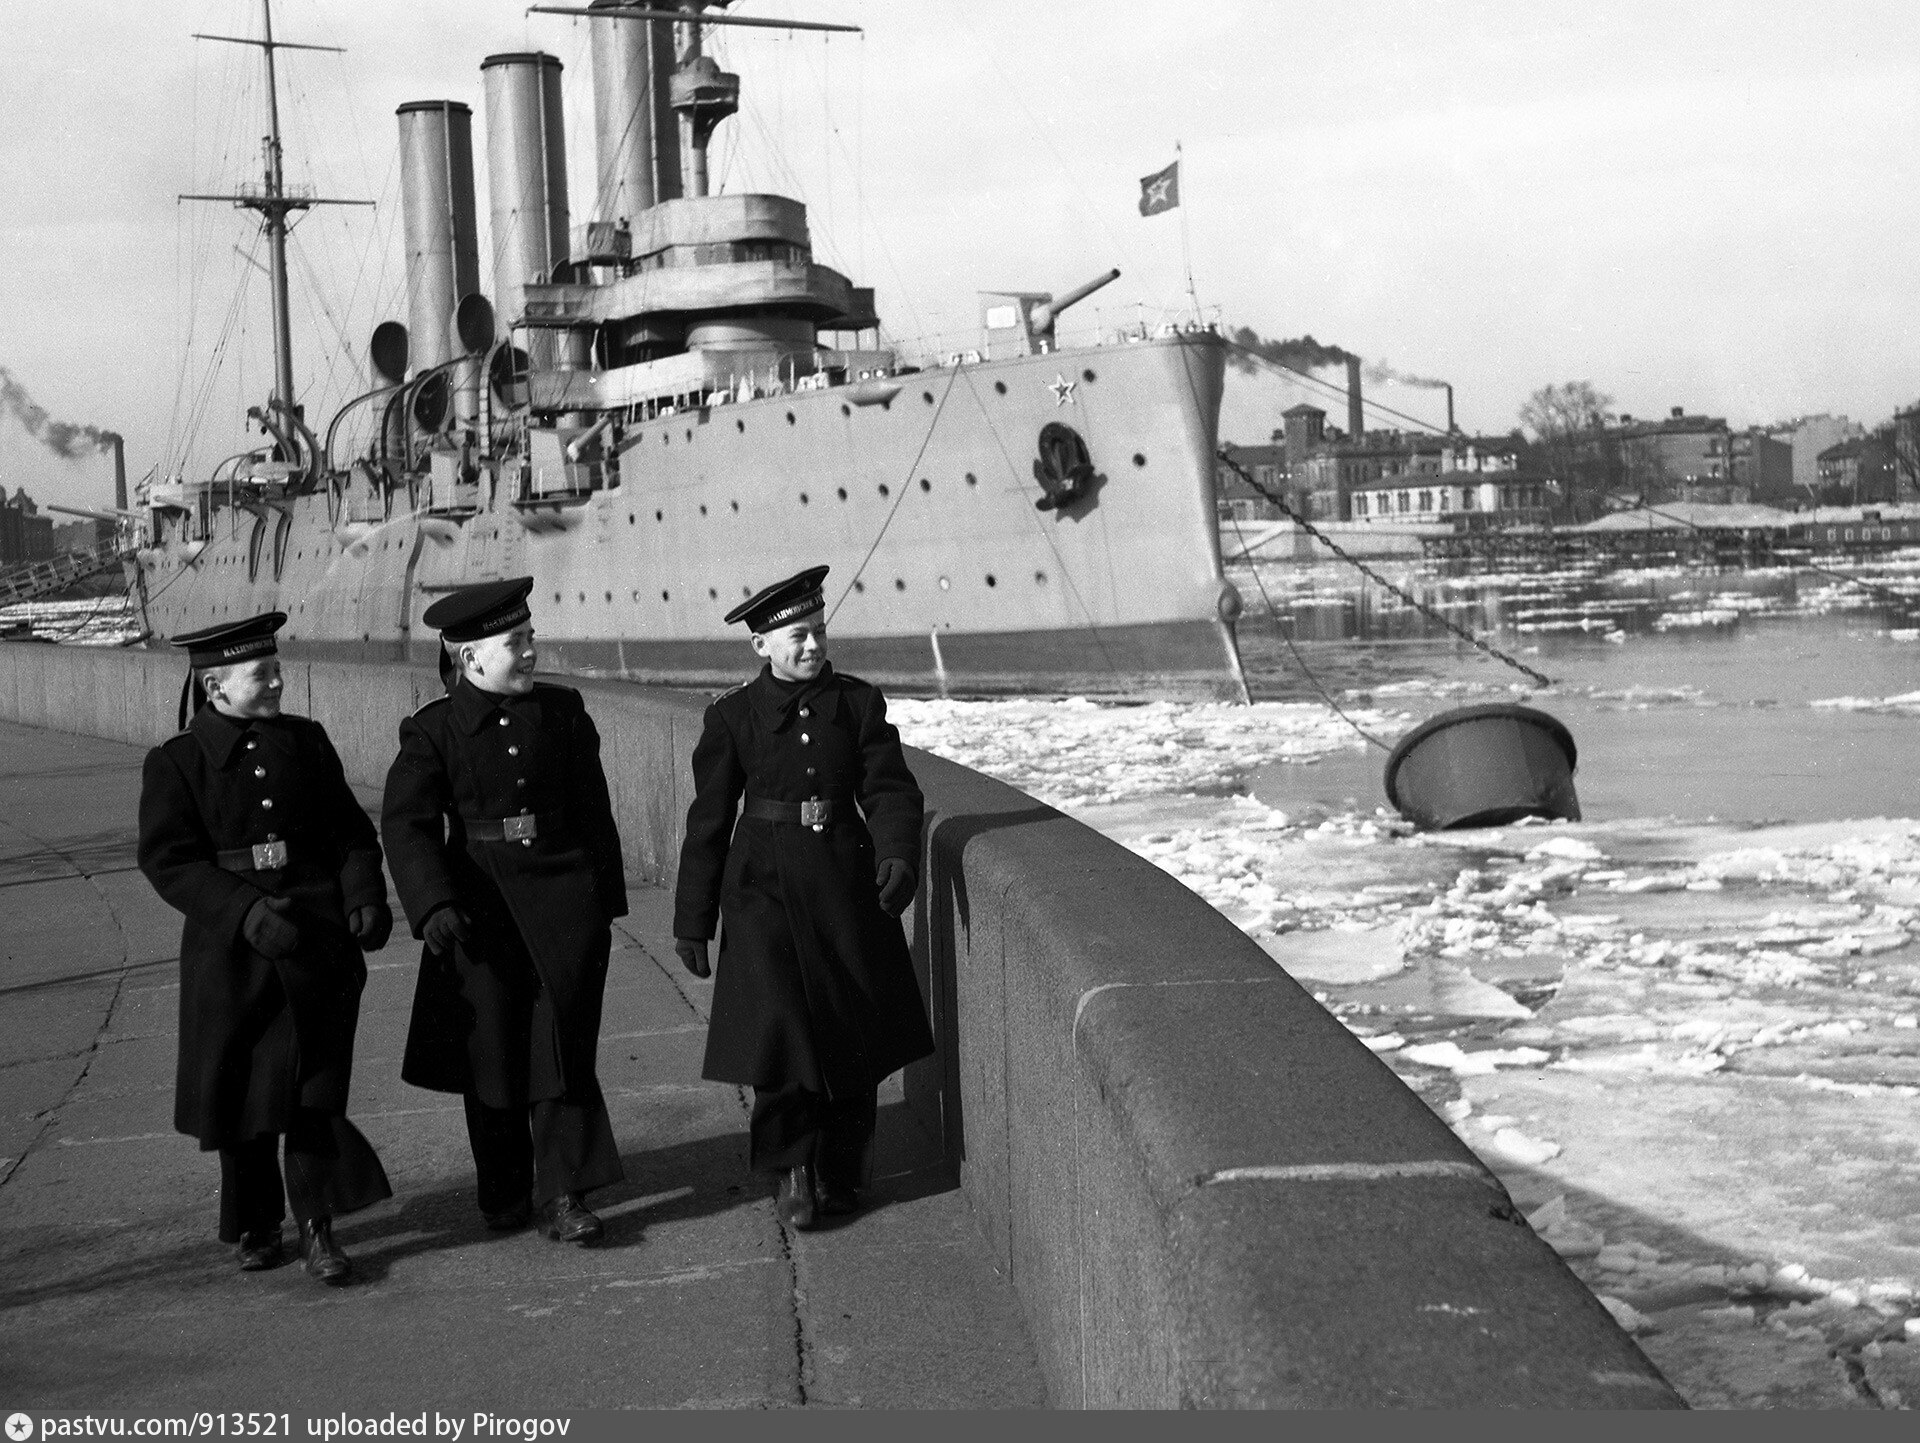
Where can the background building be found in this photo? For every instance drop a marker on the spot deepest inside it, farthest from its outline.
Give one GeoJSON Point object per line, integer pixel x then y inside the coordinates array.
{"type": "Point", "coordinates": [25, 535]}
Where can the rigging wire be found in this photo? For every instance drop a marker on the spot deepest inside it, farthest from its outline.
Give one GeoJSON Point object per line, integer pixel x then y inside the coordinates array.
{"type": "Point", "coordinates": [1424, 608]}
{"type": "Point", "coordinates": [906, 487]}
{"type": "Point", "coordinates": [1284, 625]}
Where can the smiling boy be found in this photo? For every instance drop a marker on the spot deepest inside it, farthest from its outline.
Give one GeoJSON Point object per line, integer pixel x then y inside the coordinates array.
{"type": "Point", "coordinates": [248, 826]}
{"type": "Point", "coordinates": [815, 1003]}
{"type": "Point", "coordinates": [502, 843]}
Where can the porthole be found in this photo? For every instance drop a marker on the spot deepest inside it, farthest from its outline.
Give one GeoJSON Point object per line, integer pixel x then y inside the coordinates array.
{"type": "Point", "coordinates": [972, 480]}
{"type": "Point", "coordinates": [665, 597]}
{"type": "Point", "coordinates": [659, 516]}
{"type": "Point", "coordinates": [740, 426]}
{"type": "Point", "coordinates": [703, 510]}
{"type": "Point", "coordinates": [842, 493]}
{"type": "Point", "coordinates": [636, 595]}
{"type": "Point", "coordinates": [925, 484]}
{"type": "Point", "coordinates": [803, 498]}
{"type": "Point", "coordinates": [945, 585]}
{"type": "Point", "coordinates": [845, 409]}
{"type": "Point", "coordinates": [712, 595]}
{"type": "Point", "coordinates": [1040, 578]}
{"type": "Point", "coordinates": [583, 597]}
{"type": "Point", "coordinates": [629, 518]}
{"type": "Point", "coordinates": [898, 584]}
{"type": "Point", "coordinates": [734, 504]}
{"type": "Point", "coordinates": [927, 396]}
{"type": "Point", "coordinates": [665, 439]}
{"type": "Point", "coordinates": [746, 591]}
{"type": "Point", "coordinates": [556, 598]}
{"type": "Point", "coordinates": [1088, 375]}
{"type": "Point", "coordinates": [883, 489]}
{"type": "Point", "coordinates": [609, 596]}
{"type": "Point", "coordinates": [859, 586]}
{"type": "Point", "coordinates": [689, 433]}
{"type": "Point", "coordinates": [990, 580]}
{"type": "Point", "coordinates": [1138, 459]}
{"type": "Point", "coordinates": [1001, 387]}
{"type": "Point", "coordinates": [790, 418]}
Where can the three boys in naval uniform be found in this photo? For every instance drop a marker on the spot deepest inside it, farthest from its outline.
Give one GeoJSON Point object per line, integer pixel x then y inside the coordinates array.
{"type": "Point", "coordinates": [500, 836]}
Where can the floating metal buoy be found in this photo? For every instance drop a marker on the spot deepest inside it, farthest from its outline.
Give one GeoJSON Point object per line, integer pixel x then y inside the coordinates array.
{"type": "Point", "coordinates": [1484, 766]}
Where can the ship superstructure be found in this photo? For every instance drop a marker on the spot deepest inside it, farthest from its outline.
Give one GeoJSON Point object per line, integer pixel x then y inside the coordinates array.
{"type": "Point", "coordinates": [655, 411]}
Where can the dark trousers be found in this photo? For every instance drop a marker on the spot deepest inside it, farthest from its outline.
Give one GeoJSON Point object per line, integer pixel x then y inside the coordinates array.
{"type": "Point", "coordinates": [791, 1126]}
{"type": "Point", "coordinates": [331, 1169]}
{"type": "Point", "coordinates": [548, 1148]}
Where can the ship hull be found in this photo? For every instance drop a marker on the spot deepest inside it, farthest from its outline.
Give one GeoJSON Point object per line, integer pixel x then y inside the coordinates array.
{"type": "Point", "coordinates": [945, 574]}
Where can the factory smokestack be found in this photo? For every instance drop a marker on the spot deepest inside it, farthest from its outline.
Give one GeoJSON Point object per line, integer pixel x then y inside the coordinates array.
{"type": "Point", "coordinates": [1356, 421]}
{"type": "Point", "coordinates": [1451, 428]}
{"type": "Point", "coordinates": [119, 472]}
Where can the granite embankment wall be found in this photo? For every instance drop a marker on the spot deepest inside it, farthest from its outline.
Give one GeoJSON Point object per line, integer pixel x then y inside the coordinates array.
{"type": "Point", "coordinates": [1206, 1192]}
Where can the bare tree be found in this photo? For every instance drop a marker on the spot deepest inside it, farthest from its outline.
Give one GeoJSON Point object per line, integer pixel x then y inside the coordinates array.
{"type": "Point", "coordinates": [1568, 422]}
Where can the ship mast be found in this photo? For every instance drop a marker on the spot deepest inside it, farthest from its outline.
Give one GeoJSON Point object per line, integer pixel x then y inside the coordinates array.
{"type": "Point", "coordinates": [275, 203]}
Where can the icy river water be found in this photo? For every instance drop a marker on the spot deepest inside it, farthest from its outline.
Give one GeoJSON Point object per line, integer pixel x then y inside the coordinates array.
{"type": "Point", "coordinates": [1682, 1030]}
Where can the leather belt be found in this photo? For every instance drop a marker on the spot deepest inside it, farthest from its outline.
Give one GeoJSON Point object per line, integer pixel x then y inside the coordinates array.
{"type": "Point", "coordinates": [523, 828]}
{"type": "Point", "coordinates": [819, 813]}
{"type": "Point", "coordinates": [260, 857]}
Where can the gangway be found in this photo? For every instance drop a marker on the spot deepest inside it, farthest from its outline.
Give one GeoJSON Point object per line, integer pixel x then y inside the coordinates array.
{"type": "Point", "coordinates": [36, 579]}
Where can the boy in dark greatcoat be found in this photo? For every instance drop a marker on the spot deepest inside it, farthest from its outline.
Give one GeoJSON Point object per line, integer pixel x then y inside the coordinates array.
{"type": "Point", "coordinates": [501, 839]}
{"type": "Point", "coordinates": [248, 826]}
{"type": "Point", "coordinates": [816, 1002]}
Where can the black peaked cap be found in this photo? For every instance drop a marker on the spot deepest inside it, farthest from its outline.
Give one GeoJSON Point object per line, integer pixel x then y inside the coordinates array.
{"type": "Point", "coordinates": [782, 602]}
{"type": "Point", "coordinates": [231, 641]}
{"type": "Point", "coordinates": [479, 611]}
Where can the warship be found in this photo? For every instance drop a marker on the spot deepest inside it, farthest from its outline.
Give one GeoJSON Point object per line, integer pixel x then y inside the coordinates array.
{"type": "Point", "coordinates": [654, 412]}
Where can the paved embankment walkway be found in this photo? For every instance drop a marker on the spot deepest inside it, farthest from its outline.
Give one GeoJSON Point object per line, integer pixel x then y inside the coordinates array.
{"type": "Point", "coordinates": [115, 1294]}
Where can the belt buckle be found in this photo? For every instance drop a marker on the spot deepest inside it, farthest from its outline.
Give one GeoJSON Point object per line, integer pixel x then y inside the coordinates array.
{"type": "Point", "coordinates": [269, 856]}
{"type": "Point", "coordinates": [816, 813]}
{"type": "Point", "coordinates": [523, 828]}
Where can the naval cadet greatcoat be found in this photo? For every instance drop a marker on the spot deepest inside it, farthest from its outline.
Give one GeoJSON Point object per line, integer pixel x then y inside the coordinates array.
{"type": "Point", "coordinates": [814, 986]}
{"type": "Point", "coordinates": [512, 1015]}
{"type": "Point", "coordinates": [259, 1037]}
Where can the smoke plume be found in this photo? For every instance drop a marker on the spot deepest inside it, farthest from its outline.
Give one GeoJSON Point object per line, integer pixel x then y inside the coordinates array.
{"type": "Point", "coordinates": [1304, 354]}
{"type": "Point", "coordinates": [1379, 373]}
{"type": "Point", "coordinates": [63, 438]}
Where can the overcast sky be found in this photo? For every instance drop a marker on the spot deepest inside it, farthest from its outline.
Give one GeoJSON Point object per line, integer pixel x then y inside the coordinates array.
{"type": "Point", "coordinates": [1708, 205]}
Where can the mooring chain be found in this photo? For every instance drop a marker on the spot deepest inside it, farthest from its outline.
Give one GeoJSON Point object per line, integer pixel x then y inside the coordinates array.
{"type": "Point", "coordinates": [1418, 605]}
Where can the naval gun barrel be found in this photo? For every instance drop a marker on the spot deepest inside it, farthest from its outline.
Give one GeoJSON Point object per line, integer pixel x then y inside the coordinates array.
{"type": "Point", "coordinates": [1045, 315]}
{"type": "Point", "coordinates": [580, 443]}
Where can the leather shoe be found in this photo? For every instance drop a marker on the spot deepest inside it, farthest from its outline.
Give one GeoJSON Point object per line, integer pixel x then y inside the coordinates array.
{"type": "Point", "coordinates": [325, 1262]}
{"type": "Point", "coordinates": [568, 1221]}
{"type": "Point", "coordinates": [837, 1202]}
{"type": "Point", "coordinates": [511, 1218]}
{"type": "Point", "coordinates": [795, 1202]}
{"type": "Point", "coordinates": [260, 1250]}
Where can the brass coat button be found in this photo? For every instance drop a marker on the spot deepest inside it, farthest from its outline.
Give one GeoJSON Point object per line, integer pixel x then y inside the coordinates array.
{"type": "Point", "coordinates": [804, 738]}
{"type": "Point", "coordinates": [259, 771]}
{"type": "Point", "coordinates": [513, 751]}
{"type": "Point", "coordinates": [267, 802]}
{"type": "Point", "coordinates": [503, 721]}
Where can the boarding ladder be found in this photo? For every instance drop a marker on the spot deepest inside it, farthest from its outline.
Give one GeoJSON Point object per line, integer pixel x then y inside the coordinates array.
{"type": "Point", "coordinates": [35, 579]}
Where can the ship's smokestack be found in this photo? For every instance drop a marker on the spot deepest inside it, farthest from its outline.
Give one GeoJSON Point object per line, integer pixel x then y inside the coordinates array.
{"type": "Point", "coordinates": [119, 473]}
{"type": "Point", "coordinates": [1356, 422]}
{"type": "Point", "coordinates": [1451, 428]}
{"type": "Point", "coordinates": [526, 174]}
{"type": "Point", "coordinates": [436, 204]}
{"type": "Point", "coordinates": [636, 137]}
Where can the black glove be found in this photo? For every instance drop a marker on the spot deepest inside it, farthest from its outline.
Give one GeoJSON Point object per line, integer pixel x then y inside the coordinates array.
{"type": "Point", "coordinates": [371, 926]}
{"type": "Point", "coordinates": [268, 931]}
{"type": "Point", "coordinates": [444, 926]}
{"type": "Point", "coordinates": [693, 955]}
{"type": "Point", "coordinates": [896, 883]}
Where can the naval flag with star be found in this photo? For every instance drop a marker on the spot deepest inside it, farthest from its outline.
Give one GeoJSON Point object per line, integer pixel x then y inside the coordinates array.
{"type": "Point", "coordinates": [1160, 191]}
